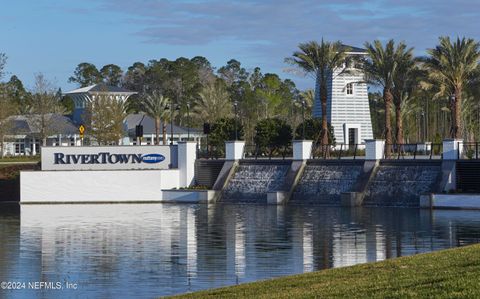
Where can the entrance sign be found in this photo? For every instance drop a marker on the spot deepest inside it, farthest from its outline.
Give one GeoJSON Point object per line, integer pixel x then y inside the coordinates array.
{"type": "Point", "coordinates": [108, 157]}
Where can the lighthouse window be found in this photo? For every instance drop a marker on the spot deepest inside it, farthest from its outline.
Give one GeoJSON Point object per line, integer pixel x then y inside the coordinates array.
{"type": "Point", "coordinates": [349, 88]}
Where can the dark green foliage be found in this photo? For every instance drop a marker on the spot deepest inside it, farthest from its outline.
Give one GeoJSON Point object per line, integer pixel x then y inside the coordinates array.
{"type": "Point", "coordinates": [224, 130]}
{"type": "Point", "coordinates": [86, 74]}
{"type": "Point", "coordinates": [17, 94]}
{"type": "Point", "coordinates": [313, 128]}
{"type": "Point", "coordinates": [233, 72]}
{"type": "Point", "coordinates": [202, 63]}
{"type": "Point", "coordinates": [272, 134]}
{"type": "Point", "coordinates": [135, 77]}
{"type": "Point", "coordinates": [68, 104]}
{"type": "Point", "coordinates": [111, 74]}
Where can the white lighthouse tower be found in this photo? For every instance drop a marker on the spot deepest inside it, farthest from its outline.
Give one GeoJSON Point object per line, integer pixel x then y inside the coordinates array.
{"type": "Point", "coordinates": [348, 109]}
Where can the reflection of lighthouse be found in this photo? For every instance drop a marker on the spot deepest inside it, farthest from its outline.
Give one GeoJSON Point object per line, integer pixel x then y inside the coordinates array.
{"type": "Point", "coordinates": [354, 245]}
{"type": "Point", "coordinates": [188, 235]}
{"type": "Point", "coordinates": [239, 249]}
{"type": "Point", "coordinates": [307, 247]}
{"type": "Point", "coordinates": [235, 246]}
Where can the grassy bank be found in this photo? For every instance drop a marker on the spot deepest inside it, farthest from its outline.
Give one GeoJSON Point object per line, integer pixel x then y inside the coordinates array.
{"type": "Point", "coordinates": [452, 273]}
{"type": "Point", "coordinates": [20, 159]}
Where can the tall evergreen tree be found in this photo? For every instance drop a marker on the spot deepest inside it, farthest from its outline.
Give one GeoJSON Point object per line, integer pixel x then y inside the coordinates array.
{"type": "Point", "coordinates": [85, 74]}
{"type": "Point", "coordinates": [111, 74]}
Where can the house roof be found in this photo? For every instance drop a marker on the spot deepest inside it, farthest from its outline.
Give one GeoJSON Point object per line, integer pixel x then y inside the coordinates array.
{"type": "Point", "coordinates": [30, 124]}
{"type": "Point", "coordinates": [352, 49]}
{"type": "Point", "coordinates": [101, 88]}
{"type": "Point", "coordinates": [148, 123]}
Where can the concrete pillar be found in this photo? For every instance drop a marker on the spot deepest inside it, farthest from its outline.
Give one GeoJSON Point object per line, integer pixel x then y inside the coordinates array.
{"type": "Point", "coordinates": [374, 149]}
{"type": "Point", "coordinates": [234, 150]}
{"type": "Point", "coordinates": [187, 155]}
{"type": "Point", "coordinates": [452, 149]}
{"type": "Point", "coordinates": [302, 149]}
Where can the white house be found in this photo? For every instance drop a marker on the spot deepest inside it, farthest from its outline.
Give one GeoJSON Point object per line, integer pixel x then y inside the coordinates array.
{"type": "Point", "coordinates": [348, 109]}
{"type": "Point", "coordinates": [24, 137]}
{"type": "Point", "coordinates": [179, 133]}
{"type": "Point", "coordinates": [82, 96]}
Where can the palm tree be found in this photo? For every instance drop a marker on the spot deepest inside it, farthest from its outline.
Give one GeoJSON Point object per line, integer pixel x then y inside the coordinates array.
{"type": "Point", "coordinates": [381, 68]}
{"type": "Point", "coordinates": [320, 61]}
{"type": "Point", "coordinates": [452, 64]}
{"type": "Point", "coordinates": [404, 84]}
{"type": "Point", "coordinates": [156, 106]}
{"type": "Point", "coordinates": [213, 102]}
{"type": "Point", "coordinates": [309, 97]}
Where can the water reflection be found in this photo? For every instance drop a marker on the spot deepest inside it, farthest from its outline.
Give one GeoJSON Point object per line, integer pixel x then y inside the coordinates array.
{"type": "Point", "coordinates": [143, 251]}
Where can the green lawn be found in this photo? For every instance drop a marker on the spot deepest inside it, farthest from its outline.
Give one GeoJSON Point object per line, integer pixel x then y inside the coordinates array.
{"type": "Point", "coordinates": [453, 273]}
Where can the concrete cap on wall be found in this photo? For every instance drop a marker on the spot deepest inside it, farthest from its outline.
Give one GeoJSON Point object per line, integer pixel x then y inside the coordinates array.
{"type": "Point", "coordinates": [234, 149]}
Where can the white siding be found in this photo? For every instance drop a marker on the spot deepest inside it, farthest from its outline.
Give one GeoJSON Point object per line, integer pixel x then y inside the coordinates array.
{"type": "Point", "coordinates": [346, 109]}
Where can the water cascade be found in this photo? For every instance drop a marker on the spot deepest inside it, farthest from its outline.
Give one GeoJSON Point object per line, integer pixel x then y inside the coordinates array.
{"type": "Point", "coordinates": [322, 182]}
{"type": "Point", "coordinates": [400, 183]}
{"type": "Point", "coordinates": [253, 179]}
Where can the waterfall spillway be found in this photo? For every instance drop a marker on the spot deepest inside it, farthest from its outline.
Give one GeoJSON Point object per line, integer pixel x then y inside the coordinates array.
{"type": "Point", "coordinates": [252, 181]}
{"type": "Point", "coordinates": [323, 182]}
{"type": "Point", "coordinates": [389, 183]}
{"type": "Point", "coordinates": [400, 183]}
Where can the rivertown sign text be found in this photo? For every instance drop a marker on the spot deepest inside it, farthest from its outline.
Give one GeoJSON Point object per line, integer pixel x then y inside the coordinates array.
{"type": "Point", "coordinates": [109, 158]}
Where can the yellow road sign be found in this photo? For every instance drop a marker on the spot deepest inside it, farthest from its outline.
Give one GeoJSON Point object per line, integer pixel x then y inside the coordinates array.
{"type": "Point", "coordinates": [81, 129]}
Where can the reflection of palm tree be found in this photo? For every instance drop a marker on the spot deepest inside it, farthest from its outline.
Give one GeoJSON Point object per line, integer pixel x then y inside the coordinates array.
{"type": "Point", "coordinates": [213, 103]}
{"type": "Point", "coordinates": [320, 61]}
{"type": "Point", "coordinates": [381, 68]}
{"type": "Point", "coordinates": [155, 105]}
{"type": "Point", "coordinates": [451, 65]}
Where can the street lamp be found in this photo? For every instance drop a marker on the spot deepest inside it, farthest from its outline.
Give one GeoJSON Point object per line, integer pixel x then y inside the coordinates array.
{"type": "Point", "coordinates": [303, 118]}
{"type": "Point", "coordinates": [172, 107]}
{"type": "Point", "coordinates": [424, 126]}
{"type": "Point", "coordinates": [453, 127]}
{"type": "Point", "coordinates": [235, 104]}
{"type": "Point", "coordinates": [188, 121]}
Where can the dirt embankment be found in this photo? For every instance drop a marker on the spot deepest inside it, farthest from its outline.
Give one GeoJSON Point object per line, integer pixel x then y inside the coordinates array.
{"type": "Point", "coordinates": [10, 180]}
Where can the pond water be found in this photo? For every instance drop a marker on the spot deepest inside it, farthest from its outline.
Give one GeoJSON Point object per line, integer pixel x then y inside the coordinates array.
{"type": "Point", "coordinates": [151, 250]}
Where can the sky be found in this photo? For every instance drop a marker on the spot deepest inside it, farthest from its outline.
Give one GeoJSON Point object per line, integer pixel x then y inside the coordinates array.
{"type": "Point", "coordinates": [53, 37]}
